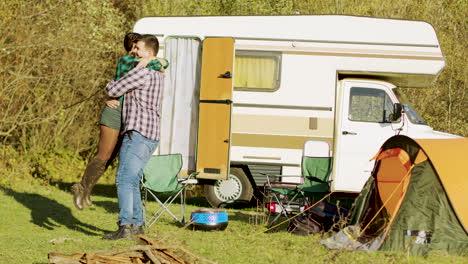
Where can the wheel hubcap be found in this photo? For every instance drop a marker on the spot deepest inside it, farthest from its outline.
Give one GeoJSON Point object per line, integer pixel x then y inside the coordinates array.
{"type": "Point", "coordinates": [230, 189]}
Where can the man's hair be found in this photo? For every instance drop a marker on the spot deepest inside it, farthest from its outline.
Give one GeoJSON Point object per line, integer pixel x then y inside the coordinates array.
{"type": "Point", "coordinates": [130, 39]}
{"type": "Point", "coordinates": [151, 42]}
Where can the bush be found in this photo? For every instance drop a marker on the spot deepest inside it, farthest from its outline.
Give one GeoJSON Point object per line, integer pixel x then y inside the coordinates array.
{"type": "Point", "coordinates": [55, 59]}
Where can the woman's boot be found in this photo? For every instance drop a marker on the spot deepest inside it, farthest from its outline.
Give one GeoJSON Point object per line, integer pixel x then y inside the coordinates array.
{"type": "Point", "coordinates": [101, 167]}
{"type": "Point", "coordinates": [77, 190]}
{"type": "Point", "coordinates": [81, 191]}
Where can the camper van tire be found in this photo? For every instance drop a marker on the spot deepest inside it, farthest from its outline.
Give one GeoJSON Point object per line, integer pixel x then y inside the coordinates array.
{"type": "Point", "coordinates": [236, 187]}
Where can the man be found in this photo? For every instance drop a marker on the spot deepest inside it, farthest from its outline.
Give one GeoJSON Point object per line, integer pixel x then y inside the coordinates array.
{"type": "Point", "coordinates": [142, 88]}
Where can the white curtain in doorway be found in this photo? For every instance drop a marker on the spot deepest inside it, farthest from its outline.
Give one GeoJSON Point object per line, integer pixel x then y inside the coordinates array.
{"type": "Point", "coordinates": [179, 121]}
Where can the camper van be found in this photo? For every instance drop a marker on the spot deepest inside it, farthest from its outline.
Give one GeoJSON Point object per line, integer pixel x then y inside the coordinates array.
{"type": "Point", "coordinates": [244, 93]}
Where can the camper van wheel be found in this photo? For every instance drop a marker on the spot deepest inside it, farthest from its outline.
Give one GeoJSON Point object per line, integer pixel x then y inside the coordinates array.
{"type": "Point", "coordinates": [236, 187]}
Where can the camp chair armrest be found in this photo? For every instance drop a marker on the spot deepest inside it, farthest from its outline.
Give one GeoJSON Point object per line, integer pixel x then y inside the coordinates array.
{"type": "Point", "coordinates": [187, 180]}
{"type": "Point", "coordinates": [315, 179]}
{"type": "Point", "coordinates": [190, 179]}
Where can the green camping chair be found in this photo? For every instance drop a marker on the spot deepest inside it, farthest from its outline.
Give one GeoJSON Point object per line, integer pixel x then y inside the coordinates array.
{"type": "Point", "coordinates": [292, 197]}
{"type": "Point", "coordinates": [161, 178]}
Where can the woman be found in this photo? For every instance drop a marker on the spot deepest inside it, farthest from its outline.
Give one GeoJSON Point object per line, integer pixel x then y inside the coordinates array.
{"type": "Point", "coordinates": [110, 125]}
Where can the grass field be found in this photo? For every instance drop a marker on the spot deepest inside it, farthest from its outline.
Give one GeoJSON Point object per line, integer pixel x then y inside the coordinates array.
{"type": "Point", "coordinates": [33, 215]}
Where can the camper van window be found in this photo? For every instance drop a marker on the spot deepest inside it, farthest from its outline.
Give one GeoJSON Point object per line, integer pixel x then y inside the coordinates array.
{"type": "Point", "coordinates": [369, 105]}
{"type": "Point", "coordinates": [257, 71]}
{"type": "Point", "coordinates": [411, 113]}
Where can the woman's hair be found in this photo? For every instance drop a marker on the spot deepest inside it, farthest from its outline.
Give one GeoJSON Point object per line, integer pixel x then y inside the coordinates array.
{"type": "Point", "coordinates": [130, 39]}
{"type": "Point", "coordinates": [151, 42]}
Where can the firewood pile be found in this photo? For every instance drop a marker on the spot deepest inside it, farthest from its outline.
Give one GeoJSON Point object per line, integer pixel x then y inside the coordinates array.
{"type": "Point", "coordinates": [147, 252]}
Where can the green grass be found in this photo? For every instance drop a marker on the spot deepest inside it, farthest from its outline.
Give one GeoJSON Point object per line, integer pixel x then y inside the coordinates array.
{"type": "Point", "coordinates": [32, 215]}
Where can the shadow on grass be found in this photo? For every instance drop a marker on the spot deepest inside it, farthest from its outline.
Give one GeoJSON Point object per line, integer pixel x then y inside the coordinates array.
{"type": "Point", "coordinates": [113, 206]}
{"type": "Point", "coordinates": [190, 200]}
{"type": "Point", "coordinates": [198, 201]}
{"type": "Point", "coordinates": [109, 206]}
{"type": "Point", "coordinates": [49, 214]}
{"type": "Point", "coordinates": [110, 191]}
{"type": "Point", "coordinates": [105, 190]}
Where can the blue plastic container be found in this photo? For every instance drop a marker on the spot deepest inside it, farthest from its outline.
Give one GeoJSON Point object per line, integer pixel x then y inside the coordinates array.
{"type": "Point", "coordinates": [209, 219]}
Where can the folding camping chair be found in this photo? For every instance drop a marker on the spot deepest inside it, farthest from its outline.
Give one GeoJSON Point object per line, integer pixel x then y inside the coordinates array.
{"type": "Point", "coordinates": [293, 197]}
{"type": "Point", "coordinates": [161, 178]}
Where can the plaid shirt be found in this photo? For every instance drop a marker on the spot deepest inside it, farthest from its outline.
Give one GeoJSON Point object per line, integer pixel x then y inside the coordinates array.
{"type": "Point", "coordinates": [128, 62]}
{"type": "Point", "coordinates": [142, 88]}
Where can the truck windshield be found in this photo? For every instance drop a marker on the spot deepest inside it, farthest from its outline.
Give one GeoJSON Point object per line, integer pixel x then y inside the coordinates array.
{"type": "Point", "coordinates": [413, 116]}
{"type": "Point", "coordinates": [411, 113]}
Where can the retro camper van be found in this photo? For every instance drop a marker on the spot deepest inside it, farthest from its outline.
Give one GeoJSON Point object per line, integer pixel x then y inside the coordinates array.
{"type": "Point", "coordinates": [244, 93]}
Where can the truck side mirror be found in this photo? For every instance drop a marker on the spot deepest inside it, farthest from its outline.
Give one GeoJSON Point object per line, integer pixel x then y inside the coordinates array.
{"type": "Point", "coordinates": [397, 110]}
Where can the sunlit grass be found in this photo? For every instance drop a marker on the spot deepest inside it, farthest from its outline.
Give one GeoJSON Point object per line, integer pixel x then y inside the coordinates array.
{"type": "Point", "coordinates": [33, 215]}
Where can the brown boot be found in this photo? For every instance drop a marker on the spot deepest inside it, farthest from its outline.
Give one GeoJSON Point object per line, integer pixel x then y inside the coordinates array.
{"type": "Point", "coordinates": [77, 190]}
{"type": "Point", "coordinates": [82, 190]}
{"type": "Point", "coordinates": [96, 169]}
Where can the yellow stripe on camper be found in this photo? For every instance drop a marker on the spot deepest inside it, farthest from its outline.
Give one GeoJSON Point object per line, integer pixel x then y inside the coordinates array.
{"type": "Point", "coordinates": [272, 141]}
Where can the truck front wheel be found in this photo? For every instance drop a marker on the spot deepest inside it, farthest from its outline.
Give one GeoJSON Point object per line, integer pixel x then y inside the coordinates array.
{"type": "Point", "coordinates": [236, 187]}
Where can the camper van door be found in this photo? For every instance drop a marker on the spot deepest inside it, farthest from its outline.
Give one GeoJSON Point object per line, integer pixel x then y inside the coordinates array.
{"type": "Point", "coordinates": [363, 126]}
{"type": "Point", "coordinates": [214, 126]}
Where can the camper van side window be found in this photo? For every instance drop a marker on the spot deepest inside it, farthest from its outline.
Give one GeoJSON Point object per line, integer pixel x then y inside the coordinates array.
{"type": "Point", "coordinates": [369, 105]}
{"type": "Point", "coordinates": [257, 71]}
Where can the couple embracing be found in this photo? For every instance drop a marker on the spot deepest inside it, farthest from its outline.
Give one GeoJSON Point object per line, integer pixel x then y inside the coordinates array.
{"type": "Point", "coordinates": [135, 104]}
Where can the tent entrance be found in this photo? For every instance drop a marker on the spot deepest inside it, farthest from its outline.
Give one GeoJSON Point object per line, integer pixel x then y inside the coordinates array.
{"type": "Point", "coordinates": [392, 180]}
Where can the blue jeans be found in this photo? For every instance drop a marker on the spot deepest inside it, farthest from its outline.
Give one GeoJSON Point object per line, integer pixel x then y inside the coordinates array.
{"type": "Point", "coordinates": [135, 152]}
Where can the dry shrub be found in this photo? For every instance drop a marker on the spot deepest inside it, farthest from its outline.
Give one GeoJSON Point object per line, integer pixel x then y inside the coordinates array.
{"type": "Point", "coordinates": [56, 56]}
{"type": "Point", "coordinates": [217, 7]}
{"type": "Point", "coordinates": [55, 59]}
